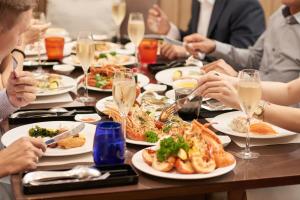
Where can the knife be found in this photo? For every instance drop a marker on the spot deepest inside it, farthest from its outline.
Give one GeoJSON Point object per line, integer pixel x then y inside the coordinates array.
{"type": "Point", "coordinates": [66, 134]}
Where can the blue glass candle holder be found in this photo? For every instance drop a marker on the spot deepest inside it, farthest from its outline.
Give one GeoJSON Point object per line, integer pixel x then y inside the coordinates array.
{"type": "Point", "coordinates": [109, 144]}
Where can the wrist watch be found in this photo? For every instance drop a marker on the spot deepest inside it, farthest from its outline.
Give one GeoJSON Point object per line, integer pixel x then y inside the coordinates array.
{"type": "Point", "coordinates": [259, 111]}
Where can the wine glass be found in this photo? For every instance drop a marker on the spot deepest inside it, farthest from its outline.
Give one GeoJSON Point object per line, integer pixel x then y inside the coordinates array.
{"type": "Point", "coordinates": [136, 31]}
{"type": "Point", "coordinates": [249, 92]}
{"type": "Point", "coordinates": [85, 51]}
{"type": "Point", "coordinates": [124, 94]}
{"type": "Point", "coordinates": [39, 19]}
{"type": "Point", "coordinates": [118, 14]}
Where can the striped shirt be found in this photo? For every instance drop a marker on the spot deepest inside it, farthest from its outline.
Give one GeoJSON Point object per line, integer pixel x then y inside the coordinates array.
{"type": "Point", "coordinates": [5, 106]}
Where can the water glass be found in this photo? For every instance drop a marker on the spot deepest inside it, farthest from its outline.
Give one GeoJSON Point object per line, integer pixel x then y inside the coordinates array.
{"type": "Point", "coordinates": [109, 144]}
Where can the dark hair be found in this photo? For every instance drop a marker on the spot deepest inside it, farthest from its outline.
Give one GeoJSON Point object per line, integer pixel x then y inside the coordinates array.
{"type": "Point", "coordinates": [10, 10]}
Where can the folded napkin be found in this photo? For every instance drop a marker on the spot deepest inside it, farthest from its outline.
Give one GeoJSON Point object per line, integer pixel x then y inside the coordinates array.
{"type": "Point", "coordinates": [241, 142]}
{"type": "Point", "coordinates": [63, 160]}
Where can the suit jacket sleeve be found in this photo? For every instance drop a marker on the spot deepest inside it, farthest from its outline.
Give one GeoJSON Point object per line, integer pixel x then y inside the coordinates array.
{"type": "Point", "coordinates": [193, 23]}
{"type": "Point", "coordinates": [247, 24]}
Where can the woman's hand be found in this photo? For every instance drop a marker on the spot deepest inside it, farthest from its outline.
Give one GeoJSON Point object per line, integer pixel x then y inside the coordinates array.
{"type": "Point", "coordinates": [219, 88]}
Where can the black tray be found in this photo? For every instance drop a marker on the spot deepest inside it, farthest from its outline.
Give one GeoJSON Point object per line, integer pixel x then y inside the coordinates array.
{"type": "Point", "coordinates": [119, 175]}
{"type": "Point", "coordinates": [26, 120]}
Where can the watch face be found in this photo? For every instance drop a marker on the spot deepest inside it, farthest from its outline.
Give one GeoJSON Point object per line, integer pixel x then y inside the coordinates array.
{"type": "Point", "coordinates": [258, 111]}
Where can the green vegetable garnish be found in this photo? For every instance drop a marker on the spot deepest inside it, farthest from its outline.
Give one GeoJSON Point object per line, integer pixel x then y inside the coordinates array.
{"type": "Point", "coordinates": [102, 55]}
{"type": "Point", "coordinates": [167, 128]}
{"type": "Point", "coordinates": [42, 132]}
{"type": "Point", "coordinates": [101, 83]}
{"type": "Point", "coordinates": [170, 147]}
{"type": "Point", "coordinates": [151, 136]}
{"type": "Point", "coordinates": [113, 53]}
{"type": "Point", "coordinates": [98, 77]}
{"type": "Point", "coordinates": [148, 112]}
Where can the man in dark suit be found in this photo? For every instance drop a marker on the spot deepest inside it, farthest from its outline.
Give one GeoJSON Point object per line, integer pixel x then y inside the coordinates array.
{"type": "Point", "coordinates": [236, 22]}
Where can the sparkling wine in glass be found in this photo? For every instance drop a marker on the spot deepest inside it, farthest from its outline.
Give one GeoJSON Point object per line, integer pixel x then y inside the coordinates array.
{"type": "Point", "coordinates": [118, 14]}
{"type": "Point", "coordinates": [124, 94]}
{"type": "Point", "coordinates": [136, 31]}
{"type": "Point", "coordinates": [85, 51]}
{"type": "Point", "coordinates": [249, 92]}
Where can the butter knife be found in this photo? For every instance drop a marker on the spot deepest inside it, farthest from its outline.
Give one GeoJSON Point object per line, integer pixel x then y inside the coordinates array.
{"type": "Point", "coordinates": [66, 134]}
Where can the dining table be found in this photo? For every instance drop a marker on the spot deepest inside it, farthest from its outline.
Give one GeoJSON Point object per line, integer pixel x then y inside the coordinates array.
{"type": "Point", "coordinates": [278, 165]}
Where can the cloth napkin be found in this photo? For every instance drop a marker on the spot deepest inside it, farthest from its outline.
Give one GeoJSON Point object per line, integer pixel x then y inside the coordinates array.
{"type": "Point", "coordinates": [62, 160]}
{"type": "Point", "coordinates": [241, 142]}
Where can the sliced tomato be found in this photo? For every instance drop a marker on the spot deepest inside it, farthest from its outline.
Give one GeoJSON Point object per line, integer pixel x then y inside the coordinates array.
{"type": "Point", "coordinates": [148, 156]}
{"type": "Point", "coordinates": [202, 165]}
{"type": "Point", "coordinates": [184, 167]}
{"type": "Point", "coordinates": [159, 124]}
{"type": "Point", "coordinates": [163, 166]}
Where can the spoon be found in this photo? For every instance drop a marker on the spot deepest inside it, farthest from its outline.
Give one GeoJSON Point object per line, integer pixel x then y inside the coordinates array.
{"type": "Point", "coordinates": [78, 172]}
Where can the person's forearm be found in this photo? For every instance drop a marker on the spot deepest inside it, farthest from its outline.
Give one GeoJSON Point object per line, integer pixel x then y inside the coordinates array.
{"type": "Point", "coordinates": [283, 116]}
{"type": "Point", "coordinates": [4, 171]}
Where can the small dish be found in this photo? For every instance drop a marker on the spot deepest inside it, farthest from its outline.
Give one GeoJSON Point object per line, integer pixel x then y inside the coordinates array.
{"type": "Point", "coordinates": [88, 118]}
{"type": "Point", "coordinates": [63, 69]}
{"type": "Point", "coordinates": [155, 88]}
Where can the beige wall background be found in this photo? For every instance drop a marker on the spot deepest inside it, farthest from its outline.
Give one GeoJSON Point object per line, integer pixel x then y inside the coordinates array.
{"type": "Point", "coordinates": [179, 10]}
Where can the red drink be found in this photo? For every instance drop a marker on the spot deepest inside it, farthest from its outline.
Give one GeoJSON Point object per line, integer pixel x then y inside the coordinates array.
{"type": "Point", "coordinates": [55, 47]}
{"type": "Point", "coordinates": [148, 51]}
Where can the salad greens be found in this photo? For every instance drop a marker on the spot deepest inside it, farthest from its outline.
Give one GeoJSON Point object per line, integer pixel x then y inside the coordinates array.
{"type": "Point", "coordinates": [42, 132]}
{"type": "Point", "coordinates": [170, 147]}
{"type": "Point", "coordinates": [151, 136]}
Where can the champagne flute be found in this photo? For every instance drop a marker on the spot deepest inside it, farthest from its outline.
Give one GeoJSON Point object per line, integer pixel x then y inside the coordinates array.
{"type": "Point", "coordinates": [124, 94]}
{"type": "Point", "coordinates": [136, 31]}
{"type": "Point", "coordinates": [249, 92]}
{"type": "Point", "coordinates": [85, 53]}
{"type": "Point", "coordinates": [118, 14]}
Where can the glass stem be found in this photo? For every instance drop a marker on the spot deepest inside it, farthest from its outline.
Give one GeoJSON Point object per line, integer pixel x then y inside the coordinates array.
{"type": "Point", "coordinates": [247, 147]}
{"type": "Point", "coordinates": [124, 125]}
{"type": "Point", "coordinates": [137, 58]}
{"type": "Point", "coordinates": [119, 34]}
{"type": "Point", "coordinates": [86, 84]}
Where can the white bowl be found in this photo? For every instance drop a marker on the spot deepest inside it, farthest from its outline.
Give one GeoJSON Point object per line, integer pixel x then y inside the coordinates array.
{"type": "Point", "coordinates": [155, 87]}
{"type": "Point", "coordinates": [83, 118]}
{"type": "Point", "coordinates": [63, 69]}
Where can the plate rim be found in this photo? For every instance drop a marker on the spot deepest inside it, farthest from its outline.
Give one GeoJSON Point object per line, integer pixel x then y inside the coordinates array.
{"type": "Point", "coordinates": [252, 136]}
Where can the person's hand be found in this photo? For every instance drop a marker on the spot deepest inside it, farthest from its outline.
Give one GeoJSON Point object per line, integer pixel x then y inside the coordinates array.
{"type": "Point", "coordinates": [215, 87]}
{"type": "Point", "coordinates": [195, 43]}
{"type": "Point", "coordinates": [21, 88]}
{"type": "Point", "coordinates": [172, 52]}
{"type": "Point", "coordinates": [158, 21]}
{"type": "Point", "coordinates": [220, 66]}
{"type": "Point", "coordinates": [35, 33]}
{"type": "Point", "coordinates": [21, 155]}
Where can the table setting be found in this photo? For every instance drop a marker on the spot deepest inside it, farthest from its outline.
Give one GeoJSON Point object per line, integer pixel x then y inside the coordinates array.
{"type": "Point", "coordinates": [120, 121]}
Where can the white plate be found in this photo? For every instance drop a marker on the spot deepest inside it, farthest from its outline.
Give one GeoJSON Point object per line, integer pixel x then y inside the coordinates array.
{"type": "Point", "coordinates": [70, 61]}
{"type": "Point", "coordinates": [21, 131]}
{"type": "Point", "coordinates": [138, 162]}
{"type": "Point", "coordinates": [221, 123]}
{"type": "Point", "coordinates": [64, 84]}
{"type": "Point", "coordinates": [142, 81]}
{"type": "Point", "coordinates": [165, 76]}
{"type": "Point", "coordinates": [171, 95]}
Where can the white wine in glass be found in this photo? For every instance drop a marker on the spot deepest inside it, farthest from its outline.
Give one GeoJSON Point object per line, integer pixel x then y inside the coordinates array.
{"type": "Point", "coordinates": [249, 92]}
{"type": "Point", "coordinates": [136, 31]}
{"type": "Point", "coordinates": [85, 51]}
{"type": "Point", "coordinates": [118, 14]}
{"type": "Point", "coordinates": [124, 94]}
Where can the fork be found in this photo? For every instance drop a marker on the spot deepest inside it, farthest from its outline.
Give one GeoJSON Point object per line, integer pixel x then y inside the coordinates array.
{"type": "Point", "coordinates": [177, 105]}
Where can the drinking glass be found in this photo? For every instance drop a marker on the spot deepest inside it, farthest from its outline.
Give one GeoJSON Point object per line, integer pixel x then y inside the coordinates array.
{"type": "Point", "coordinates": [249, 92]}
{"type": "Point", "coordinates": [118, 14]}
{"type": "Point", "coordinates": [55, 47]}
{"type": "Point", "coordinates": [148, 51]}
{"type": "Point", "coordinates": [39, 19]}
{"type": "Point", "coordinates": [136, 31]}
{"type": "Point", "coordinates": [85, 53]}
{"type": "Point", "coordinates": [109, 144]}
{"type": "Point", "coordinates": [124, 94]}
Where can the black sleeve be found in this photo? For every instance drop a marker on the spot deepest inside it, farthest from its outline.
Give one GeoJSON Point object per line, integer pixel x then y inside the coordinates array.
{"type": "Point", "coordinates": [193, 21]}
{"type": "Point", "coordinates": [247, 23]}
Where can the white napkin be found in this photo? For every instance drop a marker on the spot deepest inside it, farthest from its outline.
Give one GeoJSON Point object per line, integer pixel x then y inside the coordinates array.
{"type": "Point", "coordinates": [62, 160]}
{"type": "Point", "coordinates": [61, 98]}
{"type": "Point", "coordinates": [241, 142]}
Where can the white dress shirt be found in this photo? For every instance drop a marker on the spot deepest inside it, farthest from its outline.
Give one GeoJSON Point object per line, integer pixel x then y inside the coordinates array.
{"type": "Point", "coordinates": [203, 22]}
